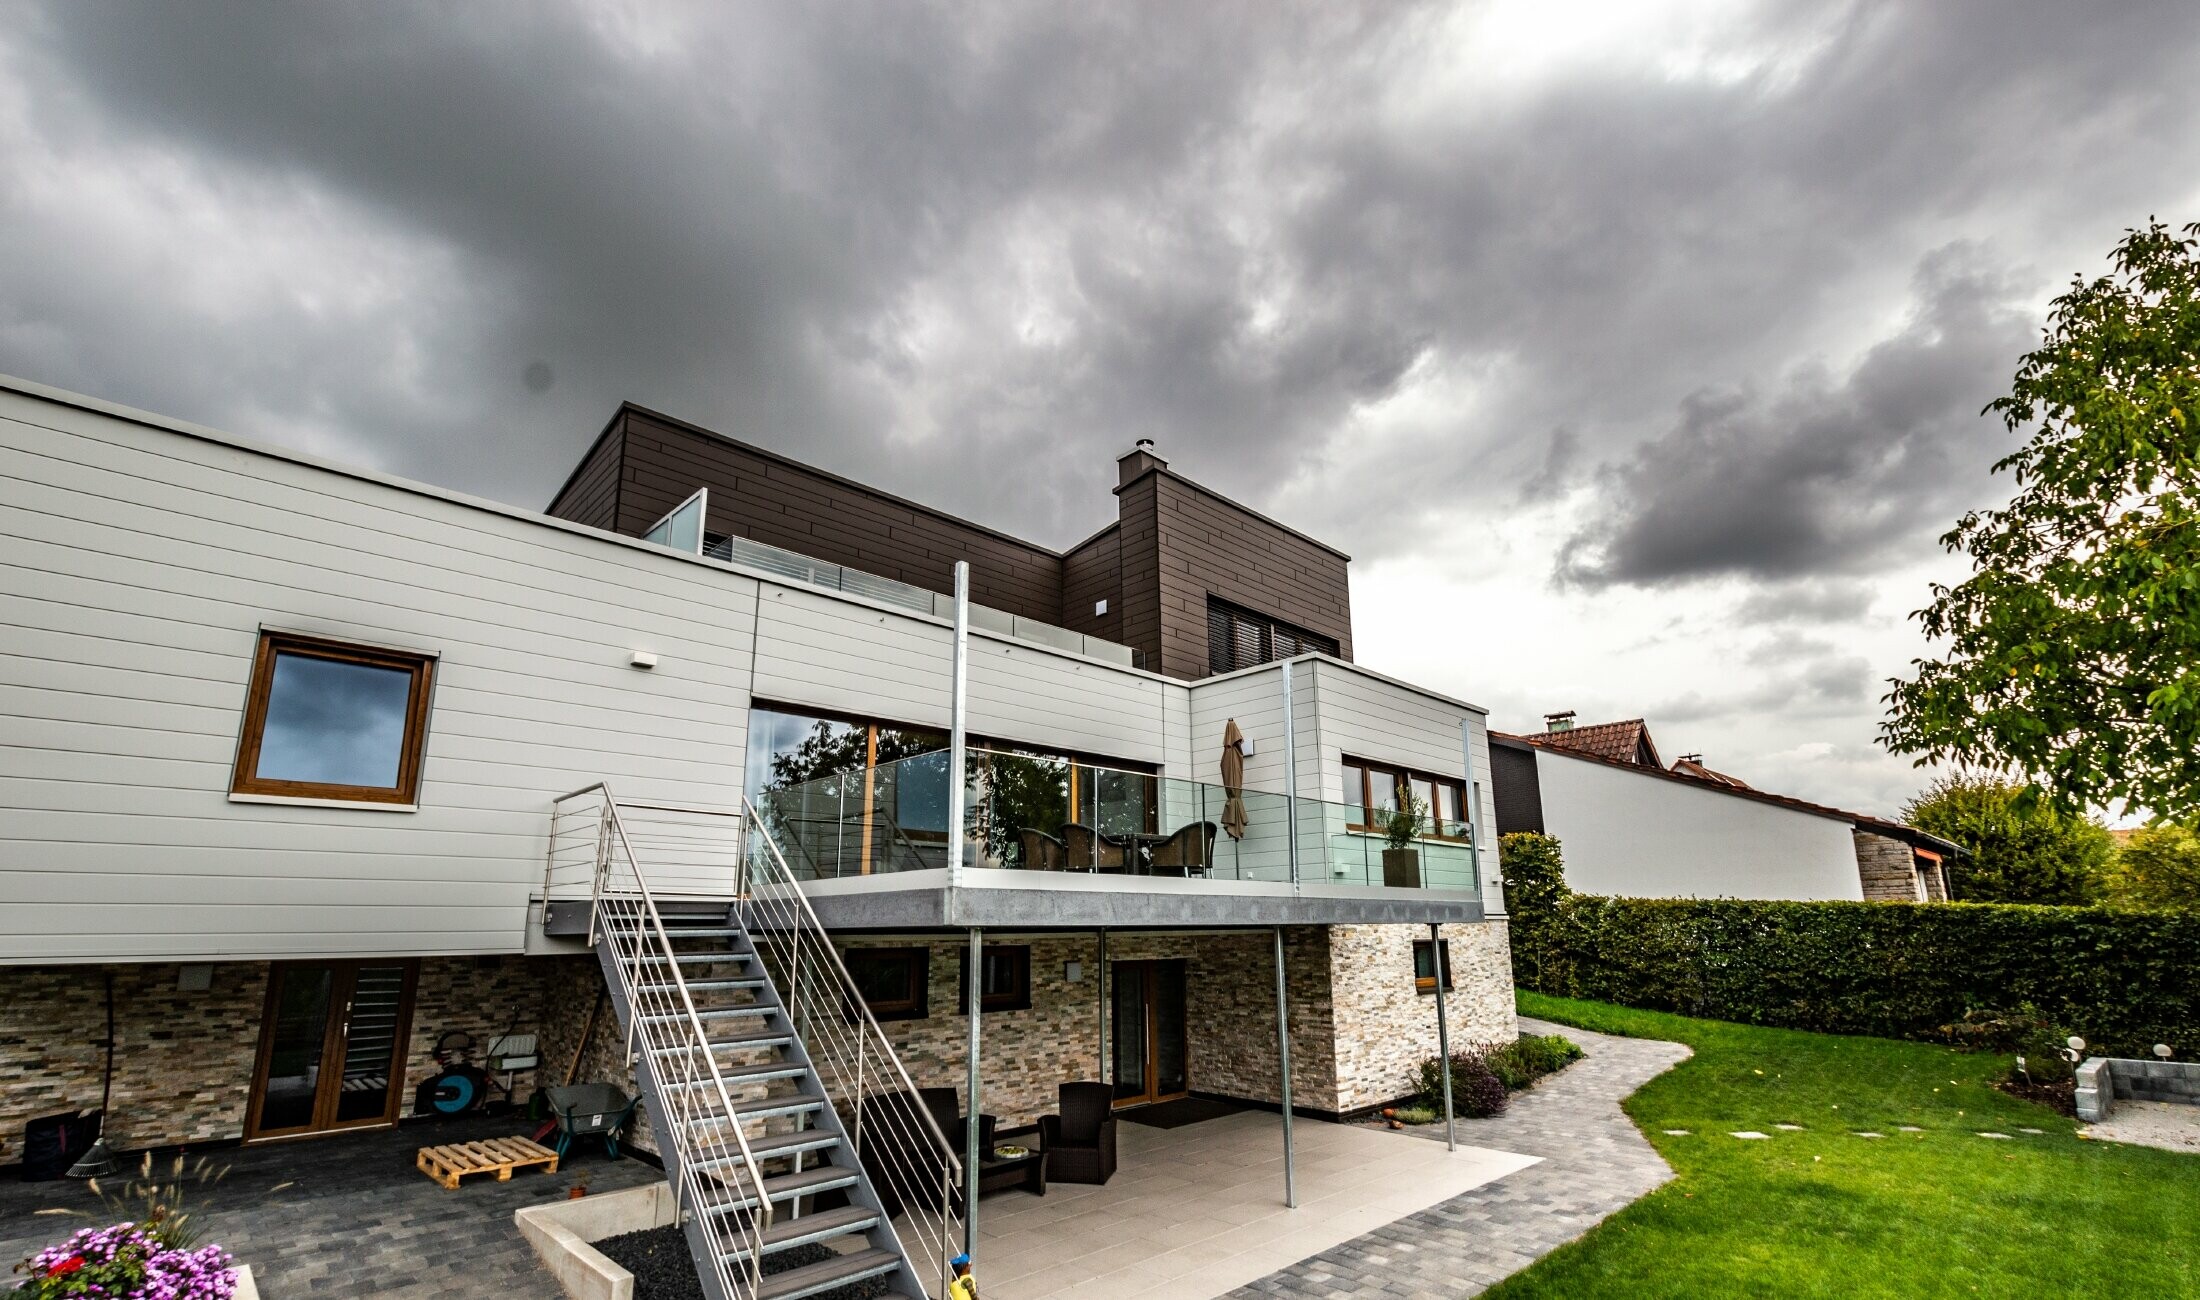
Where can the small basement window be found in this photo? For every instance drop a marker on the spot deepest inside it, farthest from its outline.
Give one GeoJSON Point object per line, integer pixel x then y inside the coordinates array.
{"type": "Point", "coordinates": [327, 720]}
{"type": "Point", "coordinates": [1424, 966]}
{"type": "Point", "coordinates": [1007, 979]}
{"type": "Point", "coordinates": [891, 980]}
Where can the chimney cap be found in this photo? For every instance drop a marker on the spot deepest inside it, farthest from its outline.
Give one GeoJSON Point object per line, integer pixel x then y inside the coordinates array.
{"type": "Point", "coordinates": [1696, 758]}
{"type": "Point", "coordinates": [1560, 721]}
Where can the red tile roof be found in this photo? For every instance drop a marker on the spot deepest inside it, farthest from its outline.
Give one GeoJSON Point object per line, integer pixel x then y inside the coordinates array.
{"type": "Point", "coordinates": [1690, 767]}
{"type": "Point", "coordinates": [1621, 742]}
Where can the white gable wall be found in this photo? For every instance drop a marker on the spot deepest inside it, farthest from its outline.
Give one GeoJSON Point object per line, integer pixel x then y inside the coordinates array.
{"type": "Point", "coordinates": [1637, 835]}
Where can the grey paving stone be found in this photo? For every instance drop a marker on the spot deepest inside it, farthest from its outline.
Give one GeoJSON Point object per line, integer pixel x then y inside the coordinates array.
{"type": "Point", "coordinates": [1594, 1162]}
{"type": "Point", "coordinates": [358, 1219]}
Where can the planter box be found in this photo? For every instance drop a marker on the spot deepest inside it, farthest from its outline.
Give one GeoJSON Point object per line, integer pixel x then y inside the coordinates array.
{"type": "Point", "coordinates": [2106, 1080]}
{"type": "Point", "coordinates": [1402, 868]}
{"type": "Point", "coordinates": [561, 1230]}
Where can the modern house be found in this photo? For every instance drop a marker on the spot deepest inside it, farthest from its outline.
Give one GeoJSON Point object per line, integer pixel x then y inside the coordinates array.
{"type": "Point", "coordinates": [308, 766]}
{"type": "Point", "coordinates": [1633, 826]}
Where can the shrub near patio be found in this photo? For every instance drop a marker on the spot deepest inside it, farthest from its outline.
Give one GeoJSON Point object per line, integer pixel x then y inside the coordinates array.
{"type": "Point", "coordinates": [1928, 1208]}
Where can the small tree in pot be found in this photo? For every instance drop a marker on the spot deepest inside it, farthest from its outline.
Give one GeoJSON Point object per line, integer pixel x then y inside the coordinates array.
{"type": "Point", "coordinates": [1400, 827]}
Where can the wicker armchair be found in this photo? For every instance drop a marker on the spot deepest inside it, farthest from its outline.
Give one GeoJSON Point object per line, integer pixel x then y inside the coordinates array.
{"type": "Point", "coordinates": [1090, 850]}
{"type": "Point", "coordinates": [1043, 852]}
{"type": "Point", "coordinates": [1187, 852]}
{"type": "Point", "coordinates": [1079, 1142]}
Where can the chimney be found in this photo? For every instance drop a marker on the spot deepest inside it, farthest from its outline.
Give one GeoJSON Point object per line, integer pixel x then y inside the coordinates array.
{"type": "Point", "coordinates": [1697, 759]}
{"type": "Point", "coordinates": [1556, 722]}
{"type": "Point", "coordinates": [1133, 464]}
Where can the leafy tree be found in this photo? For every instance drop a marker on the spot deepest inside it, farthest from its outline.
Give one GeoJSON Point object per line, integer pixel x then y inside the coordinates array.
{"type": "Point", "coordinates": [1534, 872]}
{"type": "Point", "coordinates": [2022, 849]}
{"type": "Point", "coordinates": [2157, 870]}
{"type": "Point", "coordinates": [2073, 656]}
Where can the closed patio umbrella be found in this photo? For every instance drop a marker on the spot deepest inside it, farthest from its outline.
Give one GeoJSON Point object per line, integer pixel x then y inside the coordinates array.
{"type": "Point", "coordinates": [1234, 819]}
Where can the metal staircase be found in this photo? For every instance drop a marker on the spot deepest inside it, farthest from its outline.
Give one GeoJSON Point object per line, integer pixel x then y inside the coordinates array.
{"type": "Point", "coordinates": [783, 1117]}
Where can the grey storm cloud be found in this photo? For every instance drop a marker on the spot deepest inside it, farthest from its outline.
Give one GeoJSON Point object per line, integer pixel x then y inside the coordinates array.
{"type": "Point", "coordinates": [1829, 475]}
{"type": "Point", "coordinates": [903, 241]}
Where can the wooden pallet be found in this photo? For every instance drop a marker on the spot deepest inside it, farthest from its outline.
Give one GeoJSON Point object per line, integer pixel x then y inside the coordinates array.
{"type": "Point", "coordinates": [448, 1164]}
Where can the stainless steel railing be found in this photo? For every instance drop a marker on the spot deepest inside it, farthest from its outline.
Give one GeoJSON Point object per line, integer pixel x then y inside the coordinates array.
{"type": "Point", "coordinates": [719, 1179]}
{"type": "Point", "coordinates": [909, 1159]}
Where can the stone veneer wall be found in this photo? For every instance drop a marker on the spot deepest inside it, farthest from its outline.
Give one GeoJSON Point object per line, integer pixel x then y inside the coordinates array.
{"type": "Point", "coordinates": [183, 1060]}
{"type": "Point", "coordinates": [1887, 868]}
{"type": "Point", "coordinates": [1357, 1026]}
{"type": "Point", "coordinates": [1385, 1027]}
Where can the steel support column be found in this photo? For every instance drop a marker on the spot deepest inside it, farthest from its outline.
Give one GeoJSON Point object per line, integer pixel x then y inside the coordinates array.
{"type": "Point", "coordinates": [1440, 962]}
{"type": "Point", "coordinates": [974, 976]}
{"type": "Point", "coordinates": [1283, 1051]}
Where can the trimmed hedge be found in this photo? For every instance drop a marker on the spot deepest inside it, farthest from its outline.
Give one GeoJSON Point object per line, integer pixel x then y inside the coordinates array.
{"type": "Point", "coordinates": [2122, 980]}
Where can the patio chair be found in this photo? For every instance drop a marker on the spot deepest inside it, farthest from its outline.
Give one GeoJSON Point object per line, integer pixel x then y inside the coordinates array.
{"type": "Point", "coordinates": [1043, 852]}
{"type": "Point", "coordinates": [1187, 852]}
{"type": "Point", "coordinates": [591, 1110]}
{"type": "Point", "coordinates": [1091, 850]}
{"type": "Point", "coordinates": [1079, 1142]}
{"type": "Point", "coordinates": [946, 1107]}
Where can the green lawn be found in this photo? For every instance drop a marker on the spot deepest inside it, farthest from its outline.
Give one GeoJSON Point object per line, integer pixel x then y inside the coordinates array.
{"type": "Point", "coordinates": [1820, 1212]}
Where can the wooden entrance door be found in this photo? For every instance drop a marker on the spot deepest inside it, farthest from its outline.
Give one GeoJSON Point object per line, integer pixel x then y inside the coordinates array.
{"type": "Point", "coordinates": [1148, 1040]}
{"type": "Point", "coordinates": [332, 1047]}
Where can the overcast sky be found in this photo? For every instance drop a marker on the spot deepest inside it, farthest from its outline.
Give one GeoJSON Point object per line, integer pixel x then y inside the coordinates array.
{"type": "Point", "coordinates": [1634, 350]}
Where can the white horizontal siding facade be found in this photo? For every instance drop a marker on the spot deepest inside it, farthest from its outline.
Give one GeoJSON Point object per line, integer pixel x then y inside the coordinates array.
{"type": "Point", "coordinates": [1640, 835]}
{"type": "Point", "coordinates": [138, 565]}
{"type": "Point", "coordinates": [141, 559]}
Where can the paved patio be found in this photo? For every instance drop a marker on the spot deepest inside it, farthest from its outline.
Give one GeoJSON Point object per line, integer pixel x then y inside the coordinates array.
{"type": "Point", "coordinates": [359, 1220]}
{"type": "Point", "coordinates": [1594, 1163]}
{"type": "Point", "coordinates": [1194, 1212]}
{"type": "Point", "coordinates": [1197, 1210]}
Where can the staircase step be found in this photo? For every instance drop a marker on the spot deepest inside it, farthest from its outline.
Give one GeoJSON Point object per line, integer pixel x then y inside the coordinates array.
{"type": "Point", "coordinates": [823, 1226]}
{"type": "Point", "coordinates": [754, 1012]}
{"type": "Point", "coordinates": [796, 1283]}
{"type": "Point", "coordinates": [706, 986]}
{"type": "Point", "coordinates": [800, 1142]}
{"type": "Point", "coordinates": [742, 1074]}
{"type": "Point", "coordinates": [690, 958]}
{"type": "Point", "coordinates": [794, 1103]}
{"type": "Point", "coordinates": [696, 932]}
{"type": "Point", "coordinates": [787, 1187]}
{"type": "Point", "coordinates": [761, 1038]}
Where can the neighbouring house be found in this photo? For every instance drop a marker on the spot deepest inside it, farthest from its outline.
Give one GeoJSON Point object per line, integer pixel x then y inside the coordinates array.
{"type": "Point", "coordinates": [309, 766]}
{"type": "Point", "coordinates": [1636, 827]}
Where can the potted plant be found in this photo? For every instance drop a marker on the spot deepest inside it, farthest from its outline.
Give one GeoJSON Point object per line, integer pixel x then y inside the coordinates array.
{"type": "Point", "coordinates": [579, 1187]}
{"type": "Point", "coordinates": [1401, 860]}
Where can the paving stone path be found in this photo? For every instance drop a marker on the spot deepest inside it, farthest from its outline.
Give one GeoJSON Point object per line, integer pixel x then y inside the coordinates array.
{"type": "Point", "coordinates": [358, 1219]}
{"type": "Point", "coordinates": [1594, 1163]}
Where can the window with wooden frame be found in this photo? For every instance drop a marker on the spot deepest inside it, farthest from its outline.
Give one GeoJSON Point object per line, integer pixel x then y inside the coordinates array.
{"type": "Point", "coordinates": [1425, 965]}
{"type": "Point", "coordinates": [1379, 788]}
{"type": "Point", "coordinates": [1007, 984]}
{"type": "Point", "coordinates": [330, 720]}
{"type": "Point", "coordinates": [892, 980]}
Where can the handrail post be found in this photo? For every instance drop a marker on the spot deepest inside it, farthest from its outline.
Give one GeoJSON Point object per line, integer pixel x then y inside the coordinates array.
{"type": "Point", "coordinates": [957, 740]}
{"type": "Point", "coordinates": [1290, 777]}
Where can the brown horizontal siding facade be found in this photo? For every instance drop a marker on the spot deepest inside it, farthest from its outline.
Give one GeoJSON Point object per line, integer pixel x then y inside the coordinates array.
{"type": "Point", "coordinates": [1206, 545]}
{"type": "Point", "coordinates": [1173, 545]}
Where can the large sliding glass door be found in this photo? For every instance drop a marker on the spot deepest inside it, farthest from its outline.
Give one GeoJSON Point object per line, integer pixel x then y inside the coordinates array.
{"type": "Point", "coordinates": [332, 1047]}
{"type": "Point", "coordinates": [1147, 1039]}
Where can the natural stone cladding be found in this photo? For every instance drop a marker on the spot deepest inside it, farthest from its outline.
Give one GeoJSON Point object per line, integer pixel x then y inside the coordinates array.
{"type": "Point", "coordinates": [183, 1059]}
{"type": "Point", "coordinates": [1358, 1028]}
{"type": "Point", "coordinates": [1887, 868]}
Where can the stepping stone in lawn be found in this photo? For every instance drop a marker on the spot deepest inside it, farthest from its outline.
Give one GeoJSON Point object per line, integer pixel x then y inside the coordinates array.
{"type": "Point", "coordinates": [2035, 1132]}
{"type": "Point", "coordinates": [1749, 1135]}
{"type": "Point", "coordinates": [1676, 1132]}
{"type": "Point", "coordinates": [1868, 1135]}
{"type": "Point", "coordinates": [1789, 1128]}
{"type": "Point", "coordinates": [1910, 1128]}
{"type": "Point", "coordinates": [2002, 1136]}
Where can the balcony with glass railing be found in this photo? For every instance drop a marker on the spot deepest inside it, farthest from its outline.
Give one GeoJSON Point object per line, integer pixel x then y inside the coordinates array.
{"type": "Point", "coordinates": [1041, 814]}
{"type": "Point", "coordinates": [782, 563]}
